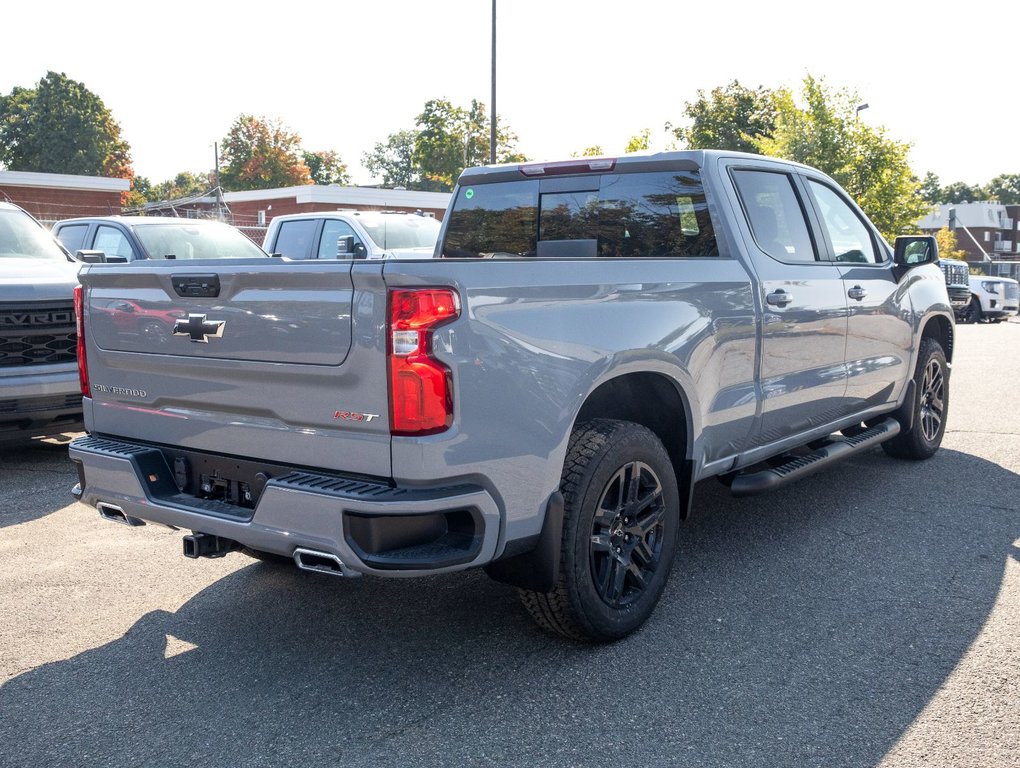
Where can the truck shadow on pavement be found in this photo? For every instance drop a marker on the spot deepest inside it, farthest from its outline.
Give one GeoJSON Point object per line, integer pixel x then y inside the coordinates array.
{"type": "Point", "coordinates": [807, 627]}
{"type": "Point", "coordinates": [27, 472]}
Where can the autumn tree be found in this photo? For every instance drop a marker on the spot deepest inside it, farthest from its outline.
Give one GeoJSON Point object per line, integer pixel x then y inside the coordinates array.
{"type": "Point", "coordinates": [326, 167]}
{"type": "Point", "coordinates": [730, 117]}
{"type": "Point", "coordinates": [259, 153]}
{"type": "Point", "coordinates": [60, 126]}
{"type": "Point", "coordinates": [948, 248]}
{"type": "Point", "coordinates": [824, 132]}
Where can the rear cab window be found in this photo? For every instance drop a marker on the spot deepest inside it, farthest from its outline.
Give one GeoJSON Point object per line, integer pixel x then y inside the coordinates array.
{"type": "Point", "coordinates": [294, 239]}
{"type": "Point", "coordinates": [775, 215]}
{"type": "Point", "coordinates": [72, 236]}
{"type": "Point", "coordinates": [641, 214]}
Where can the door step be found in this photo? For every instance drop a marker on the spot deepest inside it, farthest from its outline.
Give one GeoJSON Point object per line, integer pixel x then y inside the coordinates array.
{"type": "Point", "coordinates": [835, 449]}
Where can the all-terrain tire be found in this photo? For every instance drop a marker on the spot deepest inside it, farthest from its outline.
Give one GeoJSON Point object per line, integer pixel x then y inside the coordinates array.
{"type": "Point", "coordinates": [620, 527]}
{"type": "Point", "coordinates": [930, 404]}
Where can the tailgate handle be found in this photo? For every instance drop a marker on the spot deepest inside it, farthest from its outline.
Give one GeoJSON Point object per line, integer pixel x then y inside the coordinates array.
{"type": "Point", "coordinates": [197, 286]}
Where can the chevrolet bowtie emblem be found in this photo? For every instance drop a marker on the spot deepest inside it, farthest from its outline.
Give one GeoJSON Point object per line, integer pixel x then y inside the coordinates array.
{"type": "Point", "coordinates": [199, 329]}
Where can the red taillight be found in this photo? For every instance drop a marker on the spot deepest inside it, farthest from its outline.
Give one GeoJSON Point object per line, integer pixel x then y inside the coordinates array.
{"type": "Point", "coordinates": [421, 392]}
{"type": "Point", "coordinates": [79, 316]}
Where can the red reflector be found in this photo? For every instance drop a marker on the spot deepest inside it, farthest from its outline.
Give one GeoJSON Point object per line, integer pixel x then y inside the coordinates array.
{"type": "Point", "coordinates": [79, 318]}
{"type": "Point", "coordinates": [581, 165]}
{"type": "Point", "coordinates": [421, 389]}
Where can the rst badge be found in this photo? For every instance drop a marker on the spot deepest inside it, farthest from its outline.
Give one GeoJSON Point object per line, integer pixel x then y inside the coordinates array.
{"type": "Point", "coordinates": [197, 328]}
{"type": "Point", "coordinates": [354, 416]}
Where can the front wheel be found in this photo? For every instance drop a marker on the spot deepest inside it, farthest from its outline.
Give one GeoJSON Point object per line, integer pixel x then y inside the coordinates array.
{"type": "Point", "coordinates": [931, 406]}
{"type": "Point", "coordinates": [620, 526]}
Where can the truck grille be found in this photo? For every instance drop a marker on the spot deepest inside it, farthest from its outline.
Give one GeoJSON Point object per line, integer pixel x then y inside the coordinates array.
{"type": "Point", "coordinates": [956, 273]}
{"type": "Point", "coordinates": [37, 334]}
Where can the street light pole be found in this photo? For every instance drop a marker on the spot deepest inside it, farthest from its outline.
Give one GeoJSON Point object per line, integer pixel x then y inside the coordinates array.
{"type": "Point", "coordinates": [492, 130]}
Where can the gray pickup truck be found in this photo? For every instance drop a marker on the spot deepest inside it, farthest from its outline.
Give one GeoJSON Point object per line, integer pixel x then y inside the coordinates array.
{"type": "Point", "coordinates": [39, 388]}
{"type": "Point", "coordinates": [591, 339]}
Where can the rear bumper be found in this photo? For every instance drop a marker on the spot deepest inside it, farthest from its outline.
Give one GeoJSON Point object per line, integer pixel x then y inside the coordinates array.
{"type": "Point", "coordinates": [371, 527]}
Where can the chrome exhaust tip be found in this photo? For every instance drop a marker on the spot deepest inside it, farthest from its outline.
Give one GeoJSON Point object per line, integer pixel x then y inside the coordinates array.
{"type": "Point", "coordinates": [322, 562]}
{"type": "Point", "coordinates": [116, 514]}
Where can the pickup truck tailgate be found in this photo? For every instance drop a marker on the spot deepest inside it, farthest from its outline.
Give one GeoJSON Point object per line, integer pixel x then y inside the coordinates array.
{"type": "Point", "coordinates": [242, 359]}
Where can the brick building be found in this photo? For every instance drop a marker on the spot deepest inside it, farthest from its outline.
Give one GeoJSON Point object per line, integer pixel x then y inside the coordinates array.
{"type": "Point", "coordinates": [53, 196]}
{"type": "Point", "coordinates": [987, 231]}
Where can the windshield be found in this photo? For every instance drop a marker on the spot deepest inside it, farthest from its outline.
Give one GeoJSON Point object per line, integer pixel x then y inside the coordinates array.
{"type": "Point", "coordinates": [196, 241]}
{"type": "Point", "coordinates": [391, 231]}
{"type": "Point", "coordinates": [22, 238]}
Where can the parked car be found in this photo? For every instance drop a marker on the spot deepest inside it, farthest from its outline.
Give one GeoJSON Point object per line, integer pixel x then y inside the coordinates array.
{"type": "Point", "coordinates": [992, 299]}
{"type": "Point", "coordinates": [113, 239]}
{"type": "Point", "coordinates": [352, 235]}
{"type": "Point", "coordinates": [957, 275]}
{"type": "Point", "coordinates": [40, 393]}
{"type": "Point", "coordinates": [590, 339]}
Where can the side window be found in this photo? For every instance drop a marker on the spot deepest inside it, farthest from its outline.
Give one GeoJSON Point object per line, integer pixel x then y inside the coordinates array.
{"type": "Point", "coordinates": [112, 242]}
{"type": "Point", "coordinates": [332, 231]}
{"type": "Point", "coordinates": [72, 236]}
{"type": "Point", "coordinates": [851, 239]}
{"type": "Point", "coordinates": [775, 215]}
{"type": "Point", "coordinates": [295, 238]}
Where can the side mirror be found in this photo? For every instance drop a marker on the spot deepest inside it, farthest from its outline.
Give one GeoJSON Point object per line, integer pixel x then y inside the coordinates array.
{"type": "Point", "coordinates": [90, 257]}
{"type": "Point", "coordinates": [360, 251]}
{"type": "Point", "coordinates": [345, 246]}
{"type": "Point", "coordinates": [915, 250]}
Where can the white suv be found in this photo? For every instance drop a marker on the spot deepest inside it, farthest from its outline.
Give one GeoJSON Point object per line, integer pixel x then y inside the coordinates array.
{"type": "Point", "coordinates": [992, 299]}
{"type": "Point", "coordinates": [352, 235]}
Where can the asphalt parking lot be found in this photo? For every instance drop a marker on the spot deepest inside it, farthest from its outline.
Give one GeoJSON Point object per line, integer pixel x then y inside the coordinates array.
{"type": "Point", "coordinates": [869, 615]}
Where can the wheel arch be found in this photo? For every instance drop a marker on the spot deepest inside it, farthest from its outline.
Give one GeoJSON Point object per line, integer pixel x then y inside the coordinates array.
{"type": "Point", "coordinates": [941, 329]}
{"type": "Point", "coordinates": [658, 402]}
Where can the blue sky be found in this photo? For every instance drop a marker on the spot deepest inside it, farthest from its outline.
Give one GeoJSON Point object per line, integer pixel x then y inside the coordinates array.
{"type": "Point", "coordinates": [570, 74]}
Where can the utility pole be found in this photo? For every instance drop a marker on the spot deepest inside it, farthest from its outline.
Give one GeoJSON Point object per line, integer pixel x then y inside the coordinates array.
{"type": "Point", "coordinates": [216, 181]}
{"type": "Point", "coordinates": [492, 131]}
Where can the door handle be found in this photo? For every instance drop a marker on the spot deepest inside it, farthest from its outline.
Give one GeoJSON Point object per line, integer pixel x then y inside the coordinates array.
{"type": "Point", "coordinates": [857, 293]}
{"type": "Point", "coordinates": [779, 298]}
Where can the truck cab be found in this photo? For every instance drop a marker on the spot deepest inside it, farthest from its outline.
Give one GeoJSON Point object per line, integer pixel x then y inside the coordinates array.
{"type": "Point", "coordinates": [363, 235]}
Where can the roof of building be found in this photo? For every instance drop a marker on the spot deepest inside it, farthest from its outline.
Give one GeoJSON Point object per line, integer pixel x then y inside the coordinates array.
{"type": "Point", "coordinates": [971, 215]}
{"type": "Point", "coordinates": [63, 181]}
{"type": "Point", "coordinates": [337, 195]}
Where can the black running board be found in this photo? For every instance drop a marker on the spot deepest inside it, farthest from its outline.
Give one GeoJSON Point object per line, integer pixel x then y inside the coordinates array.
{"type": "Point", "coordinates": [836, 449]}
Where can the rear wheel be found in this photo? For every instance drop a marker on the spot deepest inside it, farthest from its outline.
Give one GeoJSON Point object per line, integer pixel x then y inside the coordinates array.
{"type": "Point", "coordinates": [620, 526]}
{"type": "Point", "coordinates": [931, 406]}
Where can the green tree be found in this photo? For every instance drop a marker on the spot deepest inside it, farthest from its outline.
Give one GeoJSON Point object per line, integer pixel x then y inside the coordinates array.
{"type": "Point", "coordinates": [931, 189]}
{"type": "Point", "coordinates": [258, 153]}
{"type": "Point", "coordinates": [826, 133]}
{"type": "Point", "coordinates": [326, 168]}
{"type": "Point", "coordinates": [730, 117]}
{"type": "Point", "coordinates": [450, 139]}
{"type": "Point", "coordinates": [948, 248]}
{"type": "Point", "coordinates": [393, 161]}
{"type": "Point", "coordinates": [961, 192]}
{"type": "Point", "coordinates": [1005, 188]}
{"type": "Point", "coordinates": [640, 141]}
{"type": "Point", "coordinates": [595, 150]}
{"type": "Point", "coordinates": [184, 184]}
{"type": "Point", "coordinates": [60, 126]}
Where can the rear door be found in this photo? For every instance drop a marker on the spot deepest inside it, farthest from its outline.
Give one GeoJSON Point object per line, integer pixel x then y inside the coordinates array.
{"type": "Point", "coordinates": [253, 359]}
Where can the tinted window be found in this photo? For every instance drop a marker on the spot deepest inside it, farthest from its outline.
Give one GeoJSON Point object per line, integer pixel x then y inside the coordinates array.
{"type": "Point", "coordinates": [295, 238]}
{"type": "Point", "coordinates": [628, 215]}
{"type": "Point", "coordinates": [332, 231]}
{"type": "Point", "coordinates": [775, 215]}
{"type": "Point", "coordinates": [851, 239]}
{"type": "Point", "coordinates": [72, 236]}
{"type": "Point", "coordinates": [493, 220]}
{"type": "Point", "coordinates": [113, 243]}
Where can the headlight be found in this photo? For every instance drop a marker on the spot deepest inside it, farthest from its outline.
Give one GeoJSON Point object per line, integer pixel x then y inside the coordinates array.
{"type": "Point", "coordinates": [990, 285]}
